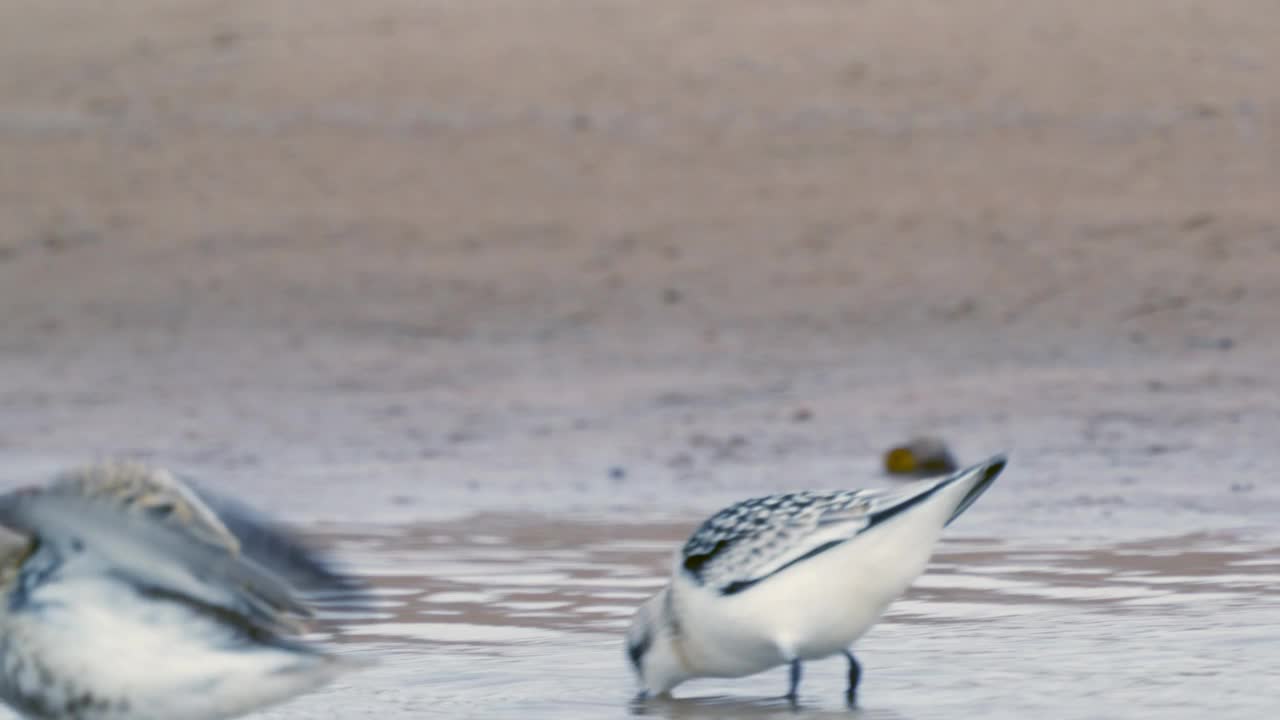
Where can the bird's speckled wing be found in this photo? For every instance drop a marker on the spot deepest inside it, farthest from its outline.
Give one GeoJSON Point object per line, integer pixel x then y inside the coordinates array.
{"type": "Point", "coordinates": [142, 525]}
{"type": "Point", "coordinates": [753, 539]}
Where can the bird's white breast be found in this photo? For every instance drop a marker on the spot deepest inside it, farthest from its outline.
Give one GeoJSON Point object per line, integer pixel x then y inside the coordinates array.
{"type": "Point", "coordinates": [97, 636]}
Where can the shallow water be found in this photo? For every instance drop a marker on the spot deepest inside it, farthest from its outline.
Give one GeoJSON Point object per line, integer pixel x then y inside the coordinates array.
{"type": "Point", "coordinates": [522, 615]}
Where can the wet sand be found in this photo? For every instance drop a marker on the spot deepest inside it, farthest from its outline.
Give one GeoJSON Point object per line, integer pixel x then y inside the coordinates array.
{"type": "Point", "coordinates": [506, 616]}
{"type": "Point", "coordinates": [387, 267]}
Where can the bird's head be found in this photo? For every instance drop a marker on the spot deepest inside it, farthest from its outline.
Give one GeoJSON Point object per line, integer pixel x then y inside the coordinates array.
{"type": "Point", "coordinates": [653, 646]}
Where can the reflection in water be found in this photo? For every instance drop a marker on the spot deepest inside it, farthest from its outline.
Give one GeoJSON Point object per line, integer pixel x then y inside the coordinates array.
{"type": "Point", "coordinates": [728, 708]}
{"type": "Point", "coordinates": [522, 617]}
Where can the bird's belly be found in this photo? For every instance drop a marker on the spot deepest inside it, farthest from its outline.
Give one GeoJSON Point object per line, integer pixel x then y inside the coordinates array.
{"type": "Point", "coordinates": [717, 638]}
{"type": "Point", "coordinates": [819, 607]}
{"type": "Point", "coordinates": [33, 682]}
{"type": "Point", "coordinates": [93, 653]}
{"type": "Point", "coordinates": [730, 651]}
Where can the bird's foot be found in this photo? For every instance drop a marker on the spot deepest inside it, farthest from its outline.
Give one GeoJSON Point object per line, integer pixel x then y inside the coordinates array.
{"type": "Point", "coordinates": [793, 691]}
{"type": "Point", "coordinates": [855, 676]}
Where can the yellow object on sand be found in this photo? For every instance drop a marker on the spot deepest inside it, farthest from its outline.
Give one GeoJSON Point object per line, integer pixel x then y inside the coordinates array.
{"type": "Point", "coordinates": [921, 457]}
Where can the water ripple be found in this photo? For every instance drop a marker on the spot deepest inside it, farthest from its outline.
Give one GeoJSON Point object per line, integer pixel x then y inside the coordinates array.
{"type": "Point", "coordinates": [488, 606]}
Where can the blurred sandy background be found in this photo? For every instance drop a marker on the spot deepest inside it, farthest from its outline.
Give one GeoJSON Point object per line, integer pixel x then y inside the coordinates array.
{"type": "Point", "coordinates": [588, 243]}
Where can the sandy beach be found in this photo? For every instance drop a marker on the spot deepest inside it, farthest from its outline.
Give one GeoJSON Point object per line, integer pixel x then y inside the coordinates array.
{"type": "Point", "coordinates": [380, 267]}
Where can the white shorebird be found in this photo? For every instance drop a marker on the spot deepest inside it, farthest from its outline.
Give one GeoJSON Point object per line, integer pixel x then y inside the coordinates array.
{"type": "Point", "coordinates": [132, 600]}
{"type": "Point", "coordinates": [787, 578]}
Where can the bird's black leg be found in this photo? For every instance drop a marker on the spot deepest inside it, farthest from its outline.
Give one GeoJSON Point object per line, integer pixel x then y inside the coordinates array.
{"type": "Point", "coordinates": [855, 674]}
{"type": "Point", "coordinates": [794, 693]}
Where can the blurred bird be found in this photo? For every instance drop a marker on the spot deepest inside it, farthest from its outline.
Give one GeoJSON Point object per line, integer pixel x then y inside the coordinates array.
{"type": "Point", "coordinates": [787, 578]}
{"type": "Point", "coordinates": [131, 599]}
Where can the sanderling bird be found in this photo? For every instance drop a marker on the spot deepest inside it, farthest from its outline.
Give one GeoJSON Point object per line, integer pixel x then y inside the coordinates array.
{"type": "Point", "coordinates": [787, 578]}
{"type": "Point", "coordinates": [130, 599]}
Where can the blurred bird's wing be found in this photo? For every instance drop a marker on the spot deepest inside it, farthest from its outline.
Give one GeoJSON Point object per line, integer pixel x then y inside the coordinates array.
{"type": "Point", "coordinates": [278, 551]}
{"type": "Point", "coordinates": [145, 527]}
